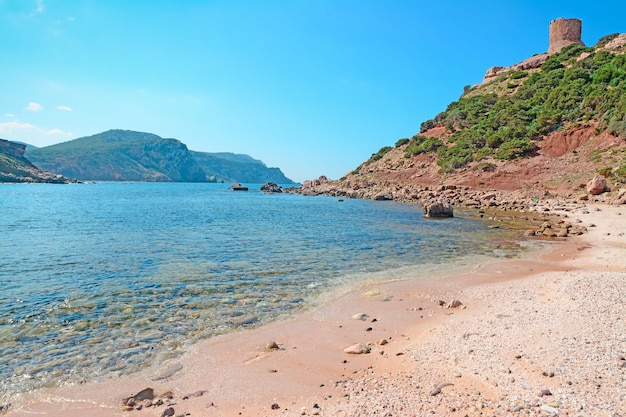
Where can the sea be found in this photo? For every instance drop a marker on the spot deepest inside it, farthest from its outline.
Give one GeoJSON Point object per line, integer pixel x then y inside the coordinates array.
{"type": "Point", "coordinates": [100, 280]}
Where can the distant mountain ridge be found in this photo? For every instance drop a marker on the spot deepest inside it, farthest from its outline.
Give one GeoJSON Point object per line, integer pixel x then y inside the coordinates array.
{"type": "Point", "coordinates": [125, 155]}
{"type": "Point", "coordinates": [230, 167]}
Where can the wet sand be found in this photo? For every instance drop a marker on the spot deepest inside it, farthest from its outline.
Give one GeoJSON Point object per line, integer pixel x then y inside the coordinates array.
{"type": "Point", "coordinates": [555, 323]}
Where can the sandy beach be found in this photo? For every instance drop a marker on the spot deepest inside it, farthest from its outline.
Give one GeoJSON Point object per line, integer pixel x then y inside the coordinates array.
{"type": "Point", "coordinates": [539, 336]}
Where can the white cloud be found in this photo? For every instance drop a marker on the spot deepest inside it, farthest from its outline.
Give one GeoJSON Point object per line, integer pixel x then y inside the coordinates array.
{"type": "Point", "coordinates": [34, 107]}
{"type": "Point", "coordinates": [11, 127]}
{"type": "Point", "coordinates": [29, 128]}
{"type": "Point", "coordinates": [40, 7]}
{"type": "Point", "coordinates": [9, 115]}
{"type": "Point", "coordinates": [64, 108]}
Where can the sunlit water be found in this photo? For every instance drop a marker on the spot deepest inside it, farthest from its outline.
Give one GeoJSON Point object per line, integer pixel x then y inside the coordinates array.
{"type": "Point", "coordinates": [97, 280]}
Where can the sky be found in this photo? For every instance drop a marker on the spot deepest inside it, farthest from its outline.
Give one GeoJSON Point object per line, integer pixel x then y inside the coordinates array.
{"type": "Point", "coordinates": [313, 87]}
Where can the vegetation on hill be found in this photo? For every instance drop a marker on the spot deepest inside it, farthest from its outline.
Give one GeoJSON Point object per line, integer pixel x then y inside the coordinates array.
{"type": "Point", "coordinates": [506, 118]}
{"type": "Point", "coordinates": [230, 167]}
{"type": "Point", "coordinates": [120, 155]}
{"type": "Point", "coordinates": [124, 155]}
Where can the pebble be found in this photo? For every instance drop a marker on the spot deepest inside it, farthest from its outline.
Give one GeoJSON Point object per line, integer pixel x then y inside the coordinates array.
{"type": "Point", "coordinates": [272, 346]}
{"type": "Point", "coordinates": [549, 409]}
{"type": "Point", "coordinates": [357, 349]}
{"type": "Point", "coordinates": [196, 394]}
{"type": "Point", "coordinates": [360, 316]}
{"type": "Point", "coordinates": [454, 304]}
{"type": "Point", "coordinates": [275, 406]}
{"type": "Point", "coordinates": [544, 392]}
{"type": "Point", "coordinates": [437, 390]}
{"type": "Point", "coordinates": [168, 412]}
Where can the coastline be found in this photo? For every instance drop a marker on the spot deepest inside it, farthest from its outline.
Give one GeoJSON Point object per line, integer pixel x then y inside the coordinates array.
{"type": "Point", "coordinates": [517, 325]}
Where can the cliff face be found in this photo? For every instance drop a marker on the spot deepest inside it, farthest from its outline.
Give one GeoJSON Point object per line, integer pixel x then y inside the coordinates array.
{"type": "Point", "coordinates": [14, 167]}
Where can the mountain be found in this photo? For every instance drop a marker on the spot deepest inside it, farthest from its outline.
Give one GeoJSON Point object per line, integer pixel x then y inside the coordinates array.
{"type": "Point", "coordinates": [120, 155]}
{"type": "Point", "coordinates": [14, 167]}
{"type": "Point", "coordinates": [124, 155]}
{"type": "Point", "coordinates": [230, 167]}
{"type": "Point", "coordinates": [544, 127]}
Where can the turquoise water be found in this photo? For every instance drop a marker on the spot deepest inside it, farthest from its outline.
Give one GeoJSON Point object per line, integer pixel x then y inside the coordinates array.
{"type": "Point", "coordinates": [103, 279]}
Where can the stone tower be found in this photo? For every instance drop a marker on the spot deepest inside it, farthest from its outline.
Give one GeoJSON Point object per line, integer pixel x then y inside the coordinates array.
{"type": "Point", "coordinates": [564, 32]}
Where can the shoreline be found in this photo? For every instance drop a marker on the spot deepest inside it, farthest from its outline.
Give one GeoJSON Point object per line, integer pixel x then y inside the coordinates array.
{"type": "Point", "coordinates": [426, 347]}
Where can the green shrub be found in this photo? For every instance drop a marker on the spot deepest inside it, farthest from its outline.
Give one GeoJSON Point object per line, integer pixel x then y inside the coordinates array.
{"type": "Point", "coordinates": [518, 74]}
{"type": "Point", "coordinates": [620, 173]}
{"type": "Point", "coordinates": [514, 149]}
{"type": "Point", "coordinates": [422, 144]}
{"type": "Point", "coordinates": [382, 152]}
{"type": "Point", "coordinates": [402, 141]}
{"type": "Point", "coordinates": [485, 166]}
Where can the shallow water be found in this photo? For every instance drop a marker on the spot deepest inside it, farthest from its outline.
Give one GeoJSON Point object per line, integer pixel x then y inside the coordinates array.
{"type": "Point", "coordinates": [103, 279]}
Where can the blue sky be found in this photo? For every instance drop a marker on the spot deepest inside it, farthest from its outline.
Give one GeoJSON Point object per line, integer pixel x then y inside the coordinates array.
{"type": "Point", "coordinates": [310, 86]}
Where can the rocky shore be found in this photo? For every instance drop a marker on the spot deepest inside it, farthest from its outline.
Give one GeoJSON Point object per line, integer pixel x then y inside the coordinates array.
{"type": "Point", "coordinates": [545, 212]}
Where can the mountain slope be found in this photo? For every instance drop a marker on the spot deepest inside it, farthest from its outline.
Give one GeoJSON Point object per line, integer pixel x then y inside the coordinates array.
{"type": "Point", "coordinates": [14, 167]}
{"type": "Point", "coordinates": [120, 155]}
{"type": "Point", "coordinates": [229, 167]}
{"type": "Point", "coordinates": [125, 155]}
{"type": "Point", "coordinates": [546, 129]}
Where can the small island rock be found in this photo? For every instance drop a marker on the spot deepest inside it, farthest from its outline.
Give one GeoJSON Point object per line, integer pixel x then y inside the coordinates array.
{"type": "Point", "coordinates": [271, 187]}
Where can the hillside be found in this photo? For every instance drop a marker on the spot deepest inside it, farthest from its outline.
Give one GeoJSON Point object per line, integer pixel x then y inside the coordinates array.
{"type": "Point", "coordinates": [229, 167]}
{"type": "Point", "coordinates": [124, 155]}
{"type": "Point", "coordinates": [14, 167]}
{"type": "Point", "coordinates": [120, 155]}
{"type": "Point", "coordinates": [541, 128]}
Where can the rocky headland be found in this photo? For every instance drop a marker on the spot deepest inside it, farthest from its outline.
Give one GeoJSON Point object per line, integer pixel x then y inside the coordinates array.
{"type": "Point", "coordinates": [535, 137]}
{"type": "Point", "coordinates": [15, 168]}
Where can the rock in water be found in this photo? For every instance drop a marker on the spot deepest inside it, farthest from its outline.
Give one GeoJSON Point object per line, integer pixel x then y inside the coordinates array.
{"type": "Point", "coordinates": [271, 187]}
{"type": "Point", "coordinates": [438, 209]}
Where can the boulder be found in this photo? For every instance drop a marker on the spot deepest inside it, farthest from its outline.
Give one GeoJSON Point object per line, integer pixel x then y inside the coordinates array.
{"type": "Point", "coordinates": [438, 209]}
{"type": "Point", "coordinates": [238, 187]}
{"type": "Point", "coordinates": [621, 197]}
{"type": "Point", "coordinates": [382, 197]}
{"type": "Point", "coordinates": [597, 185]}
{"type": "Point", "coordinates": [271, 187]}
